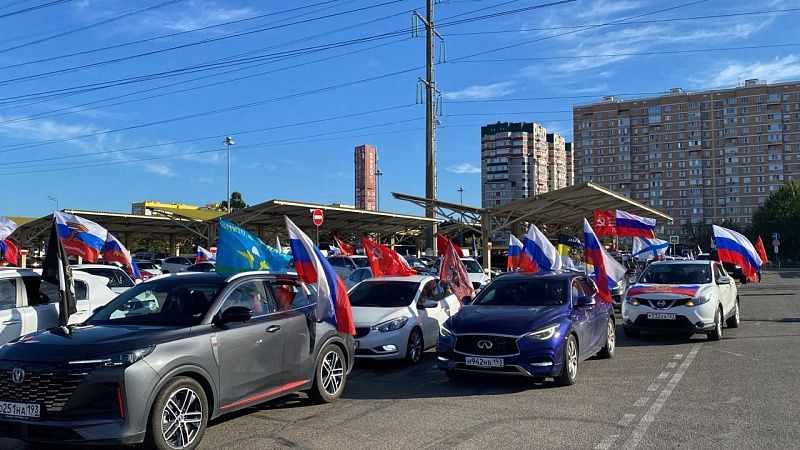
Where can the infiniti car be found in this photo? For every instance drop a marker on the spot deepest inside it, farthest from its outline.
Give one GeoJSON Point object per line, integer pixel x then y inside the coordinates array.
{"type": "Point", "coordinates": [534, 325]}
{"type": "Point", "coordinates": [166, 356]}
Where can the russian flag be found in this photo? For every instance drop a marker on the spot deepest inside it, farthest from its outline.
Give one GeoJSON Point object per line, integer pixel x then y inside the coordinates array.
{"type": "Point", "coordinates": [80, 237]}
{"type": "Point", "coordinates": [733, 247]}
{"type": "Point", "coordinates": [114, 251]}
{"type": "Point", "coordinates": [607, 271]}
{"type": "Point", "coordinates": [203, 255]}
{"type": "Point", "coordinates": [632, 225]}
{"type": "Point", "coordinates": [537, 249]}
{"type": "Point", "coordinates": [333, 304]}
{"type": "Point", "coordinates": [514, 251]}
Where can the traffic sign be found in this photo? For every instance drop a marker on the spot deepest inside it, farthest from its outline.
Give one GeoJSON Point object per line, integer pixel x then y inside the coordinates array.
{"type": "Point", "coordinates": [776, 242]}
{"type": "Point", "coordinates": [674, 239]}
{"type": "Point", "coordinates": [317, 217]}
{"type": "Point", "coordinates": [776, 236]}
{"type": "Point", "coordinates": [23, 251]}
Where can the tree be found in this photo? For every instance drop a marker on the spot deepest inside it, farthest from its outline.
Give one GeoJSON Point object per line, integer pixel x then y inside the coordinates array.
{"type": "Point", "coordinates": [781, 214]}
{"type": "Point", "coordinates": [236, 202]}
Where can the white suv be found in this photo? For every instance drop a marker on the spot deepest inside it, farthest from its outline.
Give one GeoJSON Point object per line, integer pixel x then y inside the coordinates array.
{"type": "Point", "coordinates": [683, 297]}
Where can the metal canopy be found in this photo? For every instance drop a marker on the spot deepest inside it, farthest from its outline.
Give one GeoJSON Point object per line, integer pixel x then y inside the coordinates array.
{"type": "Point", "coordinates": [267, 218]}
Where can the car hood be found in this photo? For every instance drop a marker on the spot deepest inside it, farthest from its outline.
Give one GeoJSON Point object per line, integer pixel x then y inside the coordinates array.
{"type": "Point", "coordinates": [366, 316]}
{"type": "Point", "coordinates": [86, 341]}
{"type": "Point", "coordinates": [668, 291]}
{"type": "Point", "coordinates": [510, 320]}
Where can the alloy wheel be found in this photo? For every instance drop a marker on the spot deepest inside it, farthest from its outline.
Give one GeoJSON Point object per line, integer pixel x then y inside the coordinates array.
{"type": "Point", "coordinates": [572, 358]}
{"type": "Point", "coordinates": [611, 337]}
{"type": "Point", "coordinates": [182, 418]}
{"type": "Point", "coordinates": [415, 346]}
{"type": "Point", "coordinates": [332, 372]}
{"type": "Point", "coordinates": [718, 323]}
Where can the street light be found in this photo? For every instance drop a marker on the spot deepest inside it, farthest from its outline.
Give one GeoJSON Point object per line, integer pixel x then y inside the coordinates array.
{"type": "Point", "coordinates": [461, 201]}
{"type": "Point", "coordinates": [461, 194]}
{"type": "Point", "coordinates": [229, 142]}
{"type": "Point", "coordinates": [55, 200]}
{"type": "Point", "coordinates": [378, 174]}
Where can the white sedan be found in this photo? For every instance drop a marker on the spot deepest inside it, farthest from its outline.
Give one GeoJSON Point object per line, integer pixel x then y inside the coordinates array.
{"type": "Point", "coordinates": [118, 279]}
{"type": "Point", "coordinates": [399, 317]}
{"type": "Point", "coordinates": [684, 297]}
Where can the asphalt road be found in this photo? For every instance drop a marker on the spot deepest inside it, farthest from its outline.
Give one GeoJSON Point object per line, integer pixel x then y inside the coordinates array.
{"type": "Point", "coordinates": [657, 392]}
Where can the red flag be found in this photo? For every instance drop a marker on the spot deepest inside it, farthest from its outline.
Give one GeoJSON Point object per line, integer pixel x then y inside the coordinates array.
{"type": "Point", "coordinates": [384, 261]}
{"type": "Point", "coordinates": [605, 223]}
{"type": "Point", "coordinates": [762, 252]}
{"type": "Point", "coordinates": [453, 270]}
{"type": "Point", "coordinates": [9, 251]}
{"type": "Point", "coordinates": [442, 243]}
{"type": "Point", "coordinates": [345, 248]}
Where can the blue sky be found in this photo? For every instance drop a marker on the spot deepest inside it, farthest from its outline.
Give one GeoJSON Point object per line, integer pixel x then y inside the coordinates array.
{"type": "Point", "coordinates": [80, 135]}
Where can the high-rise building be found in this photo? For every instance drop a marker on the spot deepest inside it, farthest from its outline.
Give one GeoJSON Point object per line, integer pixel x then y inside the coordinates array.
{"type": "Point", "coordinates": [366, 164]}
{"type": "Point", "coordinates": [701, 157]}
{"type": "Point", "coordinates": [516, 161]}
{"type": "Point", "coordinates": [569, 159]}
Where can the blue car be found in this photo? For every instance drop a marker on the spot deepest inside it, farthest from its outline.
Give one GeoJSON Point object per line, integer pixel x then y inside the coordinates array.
{"type": "Point", "coordinates": [534, 325]}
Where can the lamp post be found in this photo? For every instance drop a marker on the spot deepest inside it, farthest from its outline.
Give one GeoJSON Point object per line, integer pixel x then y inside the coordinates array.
{"type": "Point", "coordinates": [378, 174]}
{"type": "Point", "coordinates": [55, 199]}
{"type": "Point", "coordinates": [461, 194]}
{"type": "Point", "coordinates": [229, 142]}
{"type": "Point", "coordinates": [461, 202]}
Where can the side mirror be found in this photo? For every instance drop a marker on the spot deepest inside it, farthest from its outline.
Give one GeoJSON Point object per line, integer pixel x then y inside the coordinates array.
{"type": "Point", "coordinates": [585, 301]}
{"type": "Point", "coordinates": [724, 280]}
{"type": "Point", "coordinates": [235, 314]}
{"type": "Point", "coordinates": [427, 304]}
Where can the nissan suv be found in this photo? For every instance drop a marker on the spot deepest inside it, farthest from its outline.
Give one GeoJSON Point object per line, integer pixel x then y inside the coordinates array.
{"type": "Point", "coordinates": [168, 355]}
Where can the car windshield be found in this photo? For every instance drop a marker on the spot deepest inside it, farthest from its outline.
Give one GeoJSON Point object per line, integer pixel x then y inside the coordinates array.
{"type": "Point", "coordinates": [472, 266]}
{"type": "Point", "coordinates": [677, 274]}
{"type": "Point", "coordinates": [360, 262]}
{"type": "Point", "coordinates": [116, 278]}
{"type": "Point", "coordinates": [146, 265]}
{"type": "Point", "coordinates": [523, 292]}
{"type": "Point", "coordinates": [173, 301]}
{"type": "Point", "coordinates": [384, 294]}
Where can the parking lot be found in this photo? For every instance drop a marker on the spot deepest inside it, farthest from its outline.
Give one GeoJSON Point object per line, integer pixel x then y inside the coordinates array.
{"type": "Point", "coordinates": [658, 391]}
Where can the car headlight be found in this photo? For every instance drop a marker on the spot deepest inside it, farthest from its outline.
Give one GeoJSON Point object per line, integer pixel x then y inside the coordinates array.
{"type": "Point", "coordinates": [120, 359]}
{"type": "Point", "coordinates": [545, 333]}
{"type": "Point", "coordinates": [632, 301]}
{"type": "Point", "coordinates": [697, 301]}
{"type": "Point", "coordinates": [391, 325]}
{"type": "Point", "coordinates": [444, 332]}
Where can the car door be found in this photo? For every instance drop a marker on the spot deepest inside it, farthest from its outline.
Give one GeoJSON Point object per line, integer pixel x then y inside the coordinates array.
{"type": "Point", "coordinates": [428, 317]}
{"type": "Point", "coordinates": [582, 318]}
{"type": "Point", "coordinates": [250, 353]}
{"type": "Point", "coordinates": [600, 312]}
{"type": "Point", "coordinates": [725, 291]}
{"type": "Point", "coordinates": [41, 311]}
{"type": "Point", "coordinates": [295, 306]}
{"type": "Point", "coordinates": [10, 317]}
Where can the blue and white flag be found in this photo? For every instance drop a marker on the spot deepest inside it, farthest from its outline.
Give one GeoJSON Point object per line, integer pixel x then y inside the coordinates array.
{"type": "Point", "coordinates": [648, 248]}
{"type": "Point", "coordinates": [240, 251]}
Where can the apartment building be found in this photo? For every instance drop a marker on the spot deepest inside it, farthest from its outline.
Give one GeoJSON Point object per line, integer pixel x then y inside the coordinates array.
{"type": "Point", "coordinates": [701, 157]}
{"type": "Point", "coordinates": [516, 160]}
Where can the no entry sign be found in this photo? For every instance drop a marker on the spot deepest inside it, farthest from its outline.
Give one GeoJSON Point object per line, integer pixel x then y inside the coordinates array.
{"type": "Point", "coordinates": [317, 217]}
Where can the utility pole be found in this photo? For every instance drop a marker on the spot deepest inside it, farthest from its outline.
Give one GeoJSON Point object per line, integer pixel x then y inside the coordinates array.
{"type": "Point", "coordinates": [430, 121]}
{"type": "Point", "coordinates": [228, 142]}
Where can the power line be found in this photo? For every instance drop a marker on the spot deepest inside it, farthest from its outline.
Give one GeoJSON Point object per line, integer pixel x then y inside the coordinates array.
{"type": "Point", "coordinates": [33, 8]}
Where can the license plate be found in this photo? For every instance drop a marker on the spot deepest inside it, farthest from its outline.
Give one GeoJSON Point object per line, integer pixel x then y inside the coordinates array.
{"type": "Point", "coordinates": [661, 316]}
{"type": "Point", "coordinates": [19, 409]}
{"type": "Point", "coordinates": [484, 362]}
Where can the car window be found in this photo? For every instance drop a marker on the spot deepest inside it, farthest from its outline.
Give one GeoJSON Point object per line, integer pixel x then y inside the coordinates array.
{"type": "Point", "coordinates": [677, 274]}
{"type": "Point", "coordinates": [383, 294]}
{"type": "Point", "coordinates": [528, 292]}
{"type": "Point", "coordinates": [116, 278]}
{"type": "Point", "coordinates": [472, 266]}
{"type": "Point", "coordinates": [290, 296]}
{"type": "Point", "coordinates": [718, 271]}
{"type": "Point", "coordinates": [8, 294]}
{"type": "Point", "coordinates": [576, 290]}
{"type": "Point", "coordinates": [336, 262]}
{"type": "Point", "coordinates": [360, 262]}
{"type": "Point", "coordinates": [587, 287]}
{"type": "Point", "coordinates": [251, 294]}
{"type": "Point", "coordinates": [81, 290]}
{"type": "Point", "coordinates": [428, 291]}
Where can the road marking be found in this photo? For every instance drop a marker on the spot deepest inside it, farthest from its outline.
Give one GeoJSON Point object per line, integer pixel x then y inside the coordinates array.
{"type": "Point", "coordinates": [678, 356]}
{"type": "Point", "coordinates": [626, 420]}
{"type": "Point", "coordinates": [641, 402]}
{"type": "Point", "coordinates": [662, 376]}
{"type": "Point", "coordinates": [654, 387]}
{"type": "Point", "coordinates": [650, 416]}
{"type": "Point", "coordinates": [672, 365]}
{"type": "Point", "coordinates": [734, 354]}
{"type": "Point", "coordinates": [607, 442]}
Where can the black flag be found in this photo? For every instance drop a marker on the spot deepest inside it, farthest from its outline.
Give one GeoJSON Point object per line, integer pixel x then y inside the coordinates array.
{"type": "Point", "coordinates": [56, 270]}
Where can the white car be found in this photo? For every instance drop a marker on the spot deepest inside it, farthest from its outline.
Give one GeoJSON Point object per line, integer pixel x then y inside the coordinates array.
{"type": "Point", "coordinates": [399, 317]}
{"type": "Point", "coordinates": [28, 304]}
{"type": "Point", "coordinates": [149, 266]}
{"type": "Point", "coordinates": [118, 279]}
{"type": "Point", "coordinates": [683, 297]}
{"type": "Point", "coordinates": [175, 264]}
{"type": "Point", "coordinates": [477, 276]}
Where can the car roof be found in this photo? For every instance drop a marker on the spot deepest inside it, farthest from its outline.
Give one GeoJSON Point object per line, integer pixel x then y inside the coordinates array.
{"type": "Point", "coordinates": [214, 276]}
{"type": "Point", "coordinates": [409, 279]}
{"type": "Point", "coordinates": [94, 266]}
{"type": "Point", "coordinates": [682, 261]}
{"type": "Point", "coordinates": [563, 275]}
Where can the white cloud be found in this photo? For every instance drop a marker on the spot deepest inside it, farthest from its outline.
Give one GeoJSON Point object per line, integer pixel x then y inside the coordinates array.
{"type": "Point", "coordinates": [159, 169]}
{"type": "Point", "coordinates": [462, 168]}
{"type": "Point", "coordinates": [192, 15]}
{"type": "Point", "coordinates": [599, 9]}
{"type": "Point", "coordinates": [780, 68]}
{"type": "Point", "coordinates": [479, 92]}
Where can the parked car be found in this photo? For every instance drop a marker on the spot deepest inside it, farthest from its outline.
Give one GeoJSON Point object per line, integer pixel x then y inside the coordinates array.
{"type": "Point", "coordinates": [175, 264]}
{"type": "Point", "coordinates": [345, 265]}
{"type": "Point", "coordinates": [682, 297]}
{"type": "Point", "coordinates": [153, 268]}
{"type": "Point", "coordinates": [118, 279]}
{"type": "Point", "coordinates": [358, 275]}
{"type": "Point", "coordinates": [28, 304]}
{"type": "Point", "coordinates": [534, 325]}
{"type": "Point", "coordinates": [417, 264]}
{"type": "Point", "coordinates": [211, 345]}
{"type": "Point", "coordinates": [205, 266]}
{"type": "Point", "coordinates": [399, 317]}
{"type": "Point", "coordinates": [477, 276]}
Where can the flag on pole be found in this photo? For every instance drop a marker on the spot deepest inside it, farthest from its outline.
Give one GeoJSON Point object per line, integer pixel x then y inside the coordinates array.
{"type": "Point", "coordinates": [606, 271]}
{"type": "Point", "coordinates": [384, 261]}
{"type": "Point", "coordinates": [278, 245]}
{"type": "Point", "coordinates": [79, 236]}
{"type": "Point", "coordinates": [645, 249]}
{"type": "Point", "coordinates": [344, 248]}
{"type": "Point", "coordinates": [538, 249]}
{"type": "Point", "coordinates": [605, 223]}
{"type": "Point", "coordinates": [8, 252]}
{"type": "Point", "coordinates": [56, 270]}
{"type": "Point", "coordinates": [333, 304]}
{"type": "Point", "coordinates": [442, 243]}
{"type": "Point", "coordinates": [203, 255]}
{"type": "Point", "coordinates": [7, 226]}
{"type": "Point", "coordinates": [240, 251]}
{"type": "Point", "coordinates": [628, 224]}
{"type": "Point", "coordinates": [762, 252]}
{"type": "Point", "coordinates": [514, 251]}
{"type": "Point", "coordinates": [453, 272]}
{"type": "Point", "coordinates": [733, 247]}
{"type": "Point", "coordinates": [114, 251]}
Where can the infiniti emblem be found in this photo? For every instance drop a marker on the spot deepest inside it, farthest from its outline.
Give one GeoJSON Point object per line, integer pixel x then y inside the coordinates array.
{"type": "Point", "coordinates": [17, 375]}
{"type": "Point", "coordinates": [661, 303]}
{"type": "Point", "coordinates": [484, 344]}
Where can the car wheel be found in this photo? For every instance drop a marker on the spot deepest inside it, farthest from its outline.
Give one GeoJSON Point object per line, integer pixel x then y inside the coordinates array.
{"type": "Point", "coordinates": [630, 332]}
{"type": "Point", "coordinates": [330, 375]}
{"type": "Point", "coordinates": [716, 335]}
{"type": "Point", "coordinates": [569, 370]}
{"type": "Point", "coordinates": [179, 416]}
{"type": "Point", "coordinates": [611, 340]}
{"type": "Point", "coordinates": [415, 347]}
{"type": "Point", "coordinates": [733, 321]}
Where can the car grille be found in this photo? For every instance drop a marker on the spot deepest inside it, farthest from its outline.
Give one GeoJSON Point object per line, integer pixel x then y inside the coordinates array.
{"type": "Point", "coordinates": [668, 303]}
{"type": "Point", "coordinates": [477, 345]}
{"type": "Point", "coordinates": [49, 388]}
{"type": "Point", "coordinates": [362, 331]}
{"type": "Point", "coordinates": [680, 322]}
